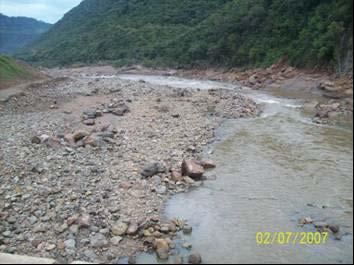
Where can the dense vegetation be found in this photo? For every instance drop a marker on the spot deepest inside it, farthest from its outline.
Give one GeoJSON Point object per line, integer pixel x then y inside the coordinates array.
{"type": "Point", "coordinates": [239, 33]}
{"type": "Point", "coordinates": [16, 32]}
{"type": "Point", "coordinates": [12, 72]}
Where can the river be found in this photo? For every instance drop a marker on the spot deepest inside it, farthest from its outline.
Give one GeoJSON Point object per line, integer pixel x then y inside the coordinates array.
{"type": "Point", "coordinates": [272, 171]}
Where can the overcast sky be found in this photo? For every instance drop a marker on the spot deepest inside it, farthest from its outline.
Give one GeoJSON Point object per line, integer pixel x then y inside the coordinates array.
{"type": "Point", "coordinates": [46, 10]}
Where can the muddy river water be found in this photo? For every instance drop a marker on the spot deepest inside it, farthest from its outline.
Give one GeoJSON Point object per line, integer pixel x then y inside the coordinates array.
{"type": "Point", "coordinates": [272, 171]}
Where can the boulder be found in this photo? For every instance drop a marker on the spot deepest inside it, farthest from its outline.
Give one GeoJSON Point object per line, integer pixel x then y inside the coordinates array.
{"type": "Point", "coordinates": [192, 169]}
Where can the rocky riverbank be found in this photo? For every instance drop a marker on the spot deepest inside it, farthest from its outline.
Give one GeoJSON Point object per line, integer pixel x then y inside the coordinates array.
{"type": "Point", "coordinates": [87, 161]}
{"type": "Point", "coordinates": [330, 98]}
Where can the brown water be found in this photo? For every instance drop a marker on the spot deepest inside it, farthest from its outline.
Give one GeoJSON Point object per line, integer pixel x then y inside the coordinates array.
{"type": "Point", "coordinates": [272, 171]}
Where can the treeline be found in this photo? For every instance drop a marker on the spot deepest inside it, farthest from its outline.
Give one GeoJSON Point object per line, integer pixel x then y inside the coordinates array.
{"type": "Point", "coordinates": [184, 33]}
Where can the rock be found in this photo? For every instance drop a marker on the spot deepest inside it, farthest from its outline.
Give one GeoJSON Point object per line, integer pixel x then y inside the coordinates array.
{"type": "Point", "coordinates": [321, 226]}
{"type": "Point", "coordinates": [84, 221]}
{"type": "Point", "coordinates": [98, 241]}
{"type": "Point", "coordinates": [253, 79]}
{"type": "Point", "coordinates": [187, 245]}
{"type": "Point", "coordinates": [116, 240]}
{"type": "Point", "coordinates": [79, 135]}
{"type": "Point", "coordinates": [153, 169]}
{"type": "Point", "coordinates": [192, 169]}
{"type": "Point", "coordinates": [36, 140]}
{"type": "Point", "coordinates": [70, 244]}
{"type": "Point", "coordinates": [310, 107]}
{"type": "Point", "coordinates": [161, 190]}
{"type": "Point", "coordinates": [334, 228]}
{"type": "Point", "coordinates": [189, 180]}
{"type": "Point", "coordinates": [305, 221]}
{"type": "Point", "coordinates": [132, 229]}
{"type": "Point", "coordinates": [121, 110]}
{"type": "Point", "coordinates": [208, 164]}
{"type": "Point", "coordinates": [94, 141]}
{"type": "Point", "coordinates": [187, 230]}
{"type": "Point", "coordinates": [349, 92]}
{"type": "Point", "coordinates": [7, 234]}
{"type": "Point", "coordinates": [90, 114]}
{"type": "Point", "coordinates": [50, 247]}
{"type": "Point", "coordinates": [91, 255]}
{"type": "Point", "coordinates": [44, 138]}
{"type": "Point", "coordinates": [89, 122]}
{"type": "Point", "coordinates": [330, 86]}
{"type": "Point", "coordinates": [132, 260]}
{"type": "Point", "coordinates": [119, 229]}
{"type": "Point", "coordinates": [162, 249]}
{"type": "Point", "coordinates": [176, 176]}
{"type": "Point", "coordinates": [195, 258]}
{"type": "Point", "coordinates": [72, 219]}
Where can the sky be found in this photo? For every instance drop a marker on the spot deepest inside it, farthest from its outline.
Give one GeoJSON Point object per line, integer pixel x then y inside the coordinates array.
{"type": "Point", "coordinates": [45, 10]}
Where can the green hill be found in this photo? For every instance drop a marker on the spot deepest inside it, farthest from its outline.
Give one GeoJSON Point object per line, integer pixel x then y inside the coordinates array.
{"type": "Point", "coordinates": [16, 32]}
{"type": "Point", "coordinates": [13, 72]}
{"type": "Point", "coordinates": [228, 33]}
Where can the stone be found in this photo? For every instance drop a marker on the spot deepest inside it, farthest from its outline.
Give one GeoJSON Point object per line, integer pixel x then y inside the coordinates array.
{"type": "Point", "coordinates": [192, 169]}
{"type": "Point", "coordinates": [195, 258]}
{"type": "Point", "coordinates": [121, 110]}
{"type": "Point", "coordinates": [152, 169]}
{"type": "Point", "coordinates": [161, 190]}
{"type": "Point", "coordinates": [84, 221]}
{"type": "Point", "coordinates": [187, 230]}
{"type": "Point", "coordinates": [36, 140]}
{"type": "Point", "coordinates": [50, 247]}
{"type": "Point", "coordinates": [70, 244]}
{"type": "Point", "coordinates": [98, 241]}
{"type": "Point", "coordinates": [119, 229]}
{"type": "Point", "coordinates": [79, 135]}
{"type": "Point", "coordinates": [89, 122]}
{"type": "Point", "coordinates": [187, 245]}
{"type": "Point", "coordinates": [176, 176]}
{"type": "Point", "coordinates": [310, 107]}
{"type": "Point", "coordinates": [116, 240]}
{"type": "Point", "coordinates": [334, 228]}
{"type": "Point", "coordinates": [7, 234]}
{"type": "Point", "coordinates": [90, 114]}
{"type": "Point", "coordinates": [162, 249]}
{"type": "Point", "coordinates": [132, 260]}
{"type": "Point", "coordinates": [207, 164]}
{"type": "Point", "coordinates": [132, 229]}
{"type": "Point", "coordinates": [305, 221]}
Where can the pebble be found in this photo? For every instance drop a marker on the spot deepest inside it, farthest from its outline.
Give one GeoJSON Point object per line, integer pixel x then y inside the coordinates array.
{"type": "Point", "coordinates": [195, 258]}
{"type": "Point", "coordinates": [98, 241]}
{"type": "Point", "coordinates": [119, 229]}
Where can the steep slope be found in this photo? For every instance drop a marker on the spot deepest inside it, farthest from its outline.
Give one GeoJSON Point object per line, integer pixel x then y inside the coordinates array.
{"type": "Point", "coordinates": [16, 32]}
{"type": "Point", "coordinates": [201, 32]}
{"type": "Point", "coordinates": [13, 72]}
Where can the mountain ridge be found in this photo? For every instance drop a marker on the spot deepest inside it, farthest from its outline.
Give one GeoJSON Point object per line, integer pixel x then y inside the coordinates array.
{"type": "Point", "coordinates": [228, 33]}
{"type": "Point", "coordinates": [16, 32]}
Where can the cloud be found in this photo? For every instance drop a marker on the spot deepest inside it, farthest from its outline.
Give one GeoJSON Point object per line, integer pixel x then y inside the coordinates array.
{"type": "Point", "coordinates": [46, 10]}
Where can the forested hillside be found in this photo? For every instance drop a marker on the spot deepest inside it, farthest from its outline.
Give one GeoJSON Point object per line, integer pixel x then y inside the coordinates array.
{"type": "Point", "coordinates": [16, 32]}
{"type": "Point", "coordinates": [229, 33]}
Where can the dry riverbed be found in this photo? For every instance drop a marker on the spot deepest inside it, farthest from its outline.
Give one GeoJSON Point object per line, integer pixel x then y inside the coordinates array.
{"type": "Point", "coordinates": [87, 163]}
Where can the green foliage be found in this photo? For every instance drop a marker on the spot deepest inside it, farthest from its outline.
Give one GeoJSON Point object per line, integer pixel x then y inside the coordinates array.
{"type": "Point", "coordinates": [10, 70]}
{"type": "Point", "coordinates": [184, 33]}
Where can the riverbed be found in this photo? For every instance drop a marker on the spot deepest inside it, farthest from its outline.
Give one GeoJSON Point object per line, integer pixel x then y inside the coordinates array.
{"type": "Point", "coordinates": [272, 171]}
